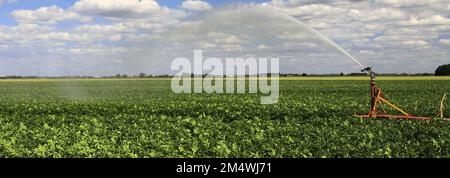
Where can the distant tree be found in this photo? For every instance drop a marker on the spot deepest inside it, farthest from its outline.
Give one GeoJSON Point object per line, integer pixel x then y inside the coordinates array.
{"type": "Point", "coordinates": [118, 76]}
{"type": "Point", "coordinates": [304, 74]}
{"type": "Point", "coordinates": [124, 76]}
{"type": "Point", "coordinates": [342, 74]}
{"type": "Point", "coordinates": [142, 75]}
{"type": "Point", "coordinates": [358, 74]}
{"type": "Point", "coordinates": [443, 70]}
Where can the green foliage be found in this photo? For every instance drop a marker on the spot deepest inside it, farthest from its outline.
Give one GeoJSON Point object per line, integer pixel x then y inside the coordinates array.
{"type": "Point", "coordinates": [143, 118]}
{"type": "Point", "coordinates": [443, 70]}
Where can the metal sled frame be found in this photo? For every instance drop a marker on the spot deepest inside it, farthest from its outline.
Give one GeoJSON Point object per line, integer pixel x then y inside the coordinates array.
{"type": "Point", "coordinates": [377, 109]}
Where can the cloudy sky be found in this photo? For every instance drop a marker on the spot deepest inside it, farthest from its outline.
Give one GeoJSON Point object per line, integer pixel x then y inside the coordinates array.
{"type": "Point", "coordinates": [105, 37]}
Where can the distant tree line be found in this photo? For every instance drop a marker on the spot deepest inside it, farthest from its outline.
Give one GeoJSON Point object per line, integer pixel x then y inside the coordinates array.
{"type": "Point", "coordinates": [441, 71]}
{"type": "Point", "coordinates": [141, 75]}
{"type": "Point", "coordinates": [356, 74]}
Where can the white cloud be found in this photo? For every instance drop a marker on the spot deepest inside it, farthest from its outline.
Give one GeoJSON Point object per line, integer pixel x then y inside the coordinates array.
{"type": "Point", "coordinates": [125, 9]}
{"type": "Point", "coordinates": [47, 15]}
{"type": "Point", "coordinates": [311, 10]}
{"type": "Point", "coordinates": [263, 47]}
{"type": "Point", "coordinates": [405, 3]}
{"type": "Point", "coordinates": [319, 25]}
{"type": "Point", "coordinates": [60, 36]}
{"type": "Point", "coordinates": [196, 5]}
{"type": "Point", "coordinates": [224, 38]}
{"type": "Point", "coordinates": [98, 50]}
{"type": "Point", "coordinates": [111, 28]}
{"type": "Point", "coordinates": [414, 43]}
{"type": "Point", "coordinates": [385, 14]}
{"type": "Point", "coordinates": [231, 47]}
{"type": "Point", "coordinates": [445, 41]}
{"type": "Point", "coordinates": [115, 38]}
{"type": "Point", "coordinates": [366, 52]}
{"type": "Point", "coordinates": [207, 45]}
{"type": "Point", "coordinates": [433, 20]}
{"type": "Point", "coordinates": [44, 35]}
{"type": "Point", "coordinates": [374, 27]}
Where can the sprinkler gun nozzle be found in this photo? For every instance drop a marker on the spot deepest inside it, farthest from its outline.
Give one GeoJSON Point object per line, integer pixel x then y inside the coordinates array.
{"type": "Point", "coordinates": [368, 69]}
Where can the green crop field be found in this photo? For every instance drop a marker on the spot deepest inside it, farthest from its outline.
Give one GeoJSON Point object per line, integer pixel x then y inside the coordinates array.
{"type": "Point", "coordinates": [144, 118]}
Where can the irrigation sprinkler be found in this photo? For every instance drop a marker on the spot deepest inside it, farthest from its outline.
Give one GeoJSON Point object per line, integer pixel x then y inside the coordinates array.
{"type": "Point", "coordinates": [377, 99]}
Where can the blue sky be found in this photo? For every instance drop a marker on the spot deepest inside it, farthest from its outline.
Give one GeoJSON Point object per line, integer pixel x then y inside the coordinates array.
{"type": "Point", "coordinates": [103, 37]}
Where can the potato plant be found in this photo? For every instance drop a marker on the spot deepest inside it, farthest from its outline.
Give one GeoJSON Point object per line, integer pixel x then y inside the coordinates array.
{"type": "Point", "coordinates": [145, 119]}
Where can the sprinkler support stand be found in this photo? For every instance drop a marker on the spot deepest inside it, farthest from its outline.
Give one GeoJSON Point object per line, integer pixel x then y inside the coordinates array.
{"type": "Point", "coordinates": [377, 98]}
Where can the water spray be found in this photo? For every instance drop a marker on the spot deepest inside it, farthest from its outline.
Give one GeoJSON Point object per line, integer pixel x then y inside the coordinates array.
{"type": "Point", "coordinates": [377, 99]}
{"type": "Point", "coordinates": [333, 44]}
{"type": "Point", "coordinates": [326, 40]}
